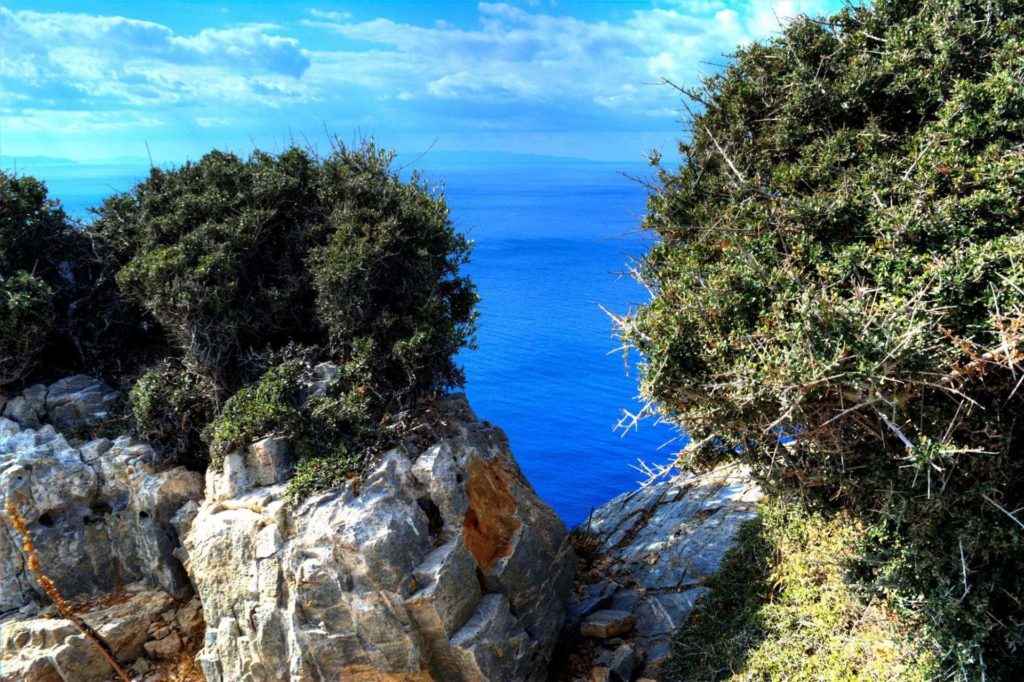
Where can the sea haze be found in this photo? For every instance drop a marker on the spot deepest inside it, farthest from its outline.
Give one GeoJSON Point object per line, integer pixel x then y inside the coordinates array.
{"type": "Point", "coordinates": [552, 238]}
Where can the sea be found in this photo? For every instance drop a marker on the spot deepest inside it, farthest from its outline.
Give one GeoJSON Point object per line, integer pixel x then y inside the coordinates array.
{"type": "Point", "coordinates": [553, 240]}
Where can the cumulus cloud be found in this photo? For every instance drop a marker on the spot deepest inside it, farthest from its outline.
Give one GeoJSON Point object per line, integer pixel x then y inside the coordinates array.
{"type": "Point", "coordinates": [527, 68]}
{"type": "Point", "coordinates": [518, 54]}
{"type": "Point", "coordinates": [98, 62]}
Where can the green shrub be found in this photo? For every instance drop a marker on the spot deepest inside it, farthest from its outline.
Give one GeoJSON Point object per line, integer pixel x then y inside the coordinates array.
{"type": "Point", "coordinates": [388, 290]}
{"type": "Point", "coordinates": [840, 266]}
{"type": "Point", "coordinates": [317, 474]}
{"type": "Point", "coordinates": [332, 434]}
{"type": "Point", "coordinates": [80, 324]}
{"type": "Point", "coordinates": [31, 229]}
{"type": "Point", "coordinates": [244, 259]}
{"type": "Point", "coordinates": [234, 257]}
{"type": "Point", "coordinates": [26, 320]}
{"type": "Point", "coordinates": [266, 407]}
{"type": "Point", "coordinates": [783, 606]}
{"type": "Point", "coordinates": [171, 406]}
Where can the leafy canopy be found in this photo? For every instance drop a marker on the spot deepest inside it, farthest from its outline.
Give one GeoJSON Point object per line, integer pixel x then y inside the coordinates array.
{"type": "Point", "coordinates": [256, 269]}
{"type": "Point", "coordinates": [839, 290]}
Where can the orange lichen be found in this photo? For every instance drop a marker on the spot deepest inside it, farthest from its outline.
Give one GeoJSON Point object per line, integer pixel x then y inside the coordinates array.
{"type": "Point", "coordinates": [491, 520]}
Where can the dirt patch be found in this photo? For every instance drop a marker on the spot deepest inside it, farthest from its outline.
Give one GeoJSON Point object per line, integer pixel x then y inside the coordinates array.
{"type": "Point", "coordinates": [491, 520]}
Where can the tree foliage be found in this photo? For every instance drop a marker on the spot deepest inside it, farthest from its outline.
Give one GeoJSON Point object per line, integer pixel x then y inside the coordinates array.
{"type": "Point", "coordinates": [243, 261]}
{"type": "Point", "coordinates": [31, 226]}
{"type": "Point", "coordinates": [26, 321]}
{"type": "Point", "coordinates": [839, 292]}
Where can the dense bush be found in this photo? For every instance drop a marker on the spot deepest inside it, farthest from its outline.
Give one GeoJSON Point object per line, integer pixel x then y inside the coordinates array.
{"type": "Point", "coordinates": [839, 293]}
{"type": "Point", "coordinates": [59, 308]}
{"type": "Point", "coordinates": [26, 321]}
{"type": "Point", "coordinates": [243, 261]}
{"type": "Point", "coordinates": [171, 407]}
{"type": "Point", "coordinates": [31, 229]}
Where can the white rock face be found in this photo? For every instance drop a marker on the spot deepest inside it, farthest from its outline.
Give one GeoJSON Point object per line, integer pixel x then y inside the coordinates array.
{"type": "Point", "coordinates": [99, 513]}
{"type": "Point", "coordinates": [656, 546]}
{"type": "Point", "coordinates": [441, 564]}
{"type": "Point", "coordinates": [102, 520]}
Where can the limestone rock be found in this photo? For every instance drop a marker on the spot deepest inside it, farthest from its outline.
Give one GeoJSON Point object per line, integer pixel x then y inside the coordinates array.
{"type": "Point", "coordinates": [656, 546]}
{"type": "Point", "coordinates": [607, 623]}
{"type": "Point", "coordinates": [79, 399]}
{"type": "Point", "coordinates": [165, 648]}
{"type": "Point", "coordinates": [441, 564]}
{"type": "Point", "coordinates": [270, 461]}
{"type": "Point", "coordinates": [99, 514]}
{"type": "Point", "coordinates": [52, 649]}
{"type": "Point", "coordinates": [623, 664]}
{"type": "Point", "coordinates": [20, 410]}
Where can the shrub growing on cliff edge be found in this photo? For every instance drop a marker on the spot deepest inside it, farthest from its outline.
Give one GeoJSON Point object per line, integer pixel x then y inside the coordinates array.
{"type": "Point", "coordinates": [840, 266]}
{"type": "Point", "coordinates": [59, 309]}
{"type": "Point", "coordinates": [241, 260]}
{"type": "Point", "coordinates": [30, 226]}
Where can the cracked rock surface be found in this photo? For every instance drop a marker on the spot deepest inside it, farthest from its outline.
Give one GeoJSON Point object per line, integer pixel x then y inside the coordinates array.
{"type": "Point", "coordinates": [99, 512]}
{"type": "Point", "coordinates": [143, 627]}
{"type": "Point", "coordinates": [442, 563]}
{"type": "Point", "coordinates": [654, 548]}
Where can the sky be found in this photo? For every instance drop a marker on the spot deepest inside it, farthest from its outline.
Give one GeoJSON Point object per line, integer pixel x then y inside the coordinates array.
{"type": "Point", "coordinates": [99, 79]}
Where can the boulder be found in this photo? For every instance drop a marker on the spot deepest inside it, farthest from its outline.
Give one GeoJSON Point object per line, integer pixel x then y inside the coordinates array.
{"type": "Point", "coordinates": [441, 563]}
{"type": "Point", "coordinates": [77, 400]}
{"type": "Point", "coordinates": [607, 623]}
{"type": "Point", "coordinates": [100, 514]}
{"type": "Point", "coordinates": [20, 410]}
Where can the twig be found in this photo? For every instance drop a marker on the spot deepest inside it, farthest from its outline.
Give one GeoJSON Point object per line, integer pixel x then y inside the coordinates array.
{"type": "Point", "coordinates": [895, 429]}
{"type": "Point", "coordinates": [653, 473]}
{"type": "Point", "coordinates": [963, 564]}
{"type": "Point", "coordinates": [1002, 509]}
{"type": "Point", "coordinates": [724, 155]}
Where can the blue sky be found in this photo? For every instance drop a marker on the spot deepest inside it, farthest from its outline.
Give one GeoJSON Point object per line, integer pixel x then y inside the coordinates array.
{"type": "Point", "coordinates": [94, 79]}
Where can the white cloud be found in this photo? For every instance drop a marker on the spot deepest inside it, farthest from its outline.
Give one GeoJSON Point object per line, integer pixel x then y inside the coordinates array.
{"type": "Point", "coordinates": [115, 61]}
{"type": "Point", "coordinates": [518, 54]}
{"type": "Point", "coordinates": [329, 16]}
{"type": "Point", "coordinates": [70, 122]}
{"type": "Point", "coordinates": [211, 122]}
{"type": "Point", "coordinates": [512, 68]}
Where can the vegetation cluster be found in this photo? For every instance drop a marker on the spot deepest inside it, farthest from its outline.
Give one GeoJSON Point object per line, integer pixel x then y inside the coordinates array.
{"type": "Point", "coordinates": [219, 285]}
{"type": "Point", "coordinates": [838, 297]}
{"type": "Point", "coordinates": [781, 607]}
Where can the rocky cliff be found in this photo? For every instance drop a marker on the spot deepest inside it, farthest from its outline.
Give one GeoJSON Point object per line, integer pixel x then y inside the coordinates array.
{"type": "Point", "coordinates": [438, 563]}
{"type": "Point", "coordinates": [649, 553]}
{"type": "Point", "coordinates": [100, 514]}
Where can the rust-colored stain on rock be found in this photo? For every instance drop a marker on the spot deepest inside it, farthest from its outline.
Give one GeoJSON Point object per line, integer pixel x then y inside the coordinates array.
{"type": "Point", "coordinates": [491, 520]}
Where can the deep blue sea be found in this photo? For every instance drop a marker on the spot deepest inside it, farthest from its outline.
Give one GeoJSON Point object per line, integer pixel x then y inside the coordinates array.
{"type": "Point", "coordinates": [552, 239]}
